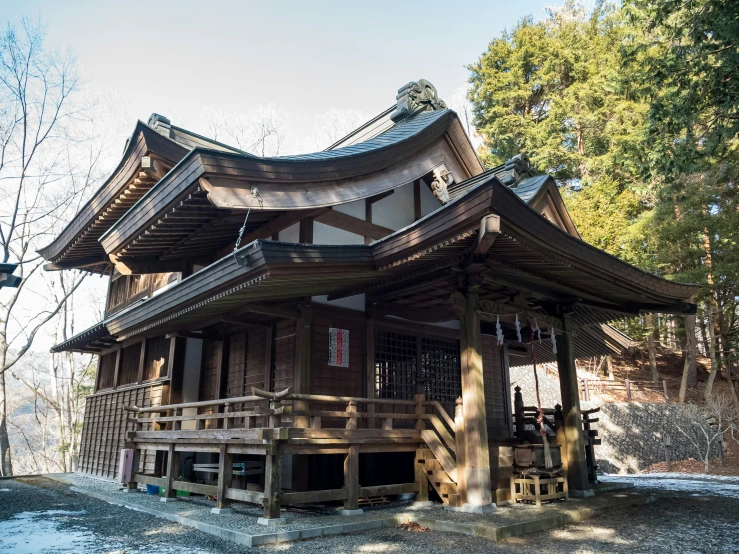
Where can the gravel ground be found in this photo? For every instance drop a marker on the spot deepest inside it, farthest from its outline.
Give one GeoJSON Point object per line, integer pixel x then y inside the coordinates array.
{"type": "Point", "coordinates": [681, 521]}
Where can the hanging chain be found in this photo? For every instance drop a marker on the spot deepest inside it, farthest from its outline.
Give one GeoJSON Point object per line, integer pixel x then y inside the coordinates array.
{"type": "Point", "coordinates": [254, 194]}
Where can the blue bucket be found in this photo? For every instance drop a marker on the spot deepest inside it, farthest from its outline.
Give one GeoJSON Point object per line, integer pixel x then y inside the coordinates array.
{"type": "Point", "coordinates": [152, 489]}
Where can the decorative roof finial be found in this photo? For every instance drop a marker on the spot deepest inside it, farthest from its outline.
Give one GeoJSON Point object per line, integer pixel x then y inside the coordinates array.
{"type": "Point", "coordinates": [416, 97]}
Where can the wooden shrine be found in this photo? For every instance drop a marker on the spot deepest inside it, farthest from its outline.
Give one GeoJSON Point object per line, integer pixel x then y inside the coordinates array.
{"type": "Point", "coordinates": [357, 343]}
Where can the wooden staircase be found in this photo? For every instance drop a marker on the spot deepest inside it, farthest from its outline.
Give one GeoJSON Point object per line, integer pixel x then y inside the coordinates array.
{"type": "Point", "coordinates": [439, 478]}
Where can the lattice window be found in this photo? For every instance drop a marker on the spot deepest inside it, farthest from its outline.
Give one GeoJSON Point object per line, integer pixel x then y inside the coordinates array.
{"type": "Point", "coordinates": [396, 364]}
{"type": "Point", "coordinates": [441, 369]}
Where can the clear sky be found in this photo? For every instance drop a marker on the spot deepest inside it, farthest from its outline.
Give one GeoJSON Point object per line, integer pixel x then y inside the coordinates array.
{"type": "Point", "coordinates": [179, 57]}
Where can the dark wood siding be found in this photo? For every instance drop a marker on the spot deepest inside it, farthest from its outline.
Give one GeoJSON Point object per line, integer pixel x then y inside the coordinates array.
{"type": "Point", "coordinates": [338, 381]}
{"type": "Point", "coordinates": [104, 428]}
{"type": "Point", "coordinates": [106, 370]}
{"type": "Point", "coordinates": [283, 371]}
{"type": "Point", "coordinates": [130, 362]}
{"type": "Point", "coordinates": [246, 361]}
{"type": "Point", "coordinates": [209, 371]}
{"type": "Point", "coordinates": [496, 390]}
{"type": "Point", "coordinates": [157, 358]}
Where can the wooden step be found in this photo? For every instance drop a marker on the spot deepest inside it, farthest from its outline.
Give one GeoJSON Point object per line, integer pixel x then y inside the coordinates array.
{"type": "Point", "coordinates": [440, 452]}
{"type": "Point", "coordinates": [438, 477]}
{"type": "Point", "coordinates": [454, 500]}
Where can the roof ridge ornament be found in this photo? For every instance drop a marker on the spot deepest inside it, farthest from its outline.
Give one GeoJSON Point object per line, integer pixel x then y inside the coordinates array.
{"type": "Point", "coordinates": [160, 124]}
{"type": "Point", "coordinates": [516, 167]}
{"type": "Point", "coordinates": [414, 97]}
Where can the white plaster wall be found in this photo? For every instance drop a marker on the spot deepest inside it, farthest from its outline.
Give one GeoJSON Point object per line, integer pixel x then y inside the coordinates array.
{"type": "Point", "coordinates": [291, 234]}
{"type": "Point", "coordinates": [429, 203]}
{"type": "Point", "coordinates": [356, 209]}
{"type": "Point", "coordinates": [324, 234]}
{"type": "Point", "coordinates": [395, 211]}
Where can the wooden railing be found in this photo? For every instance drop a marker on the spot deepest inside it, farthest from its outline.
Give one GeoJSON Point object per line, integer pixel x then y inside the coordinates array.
{"type": "Point", "coordinates": [273, 406]}
{"type": "Point", "coordinates": [426, 421]}
{"type": "Point", "coordinates": [588, 386]}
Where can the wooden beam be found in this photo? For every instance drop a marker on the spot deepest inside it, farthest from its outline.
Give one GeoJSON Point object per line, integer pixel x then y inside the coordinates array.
{"type": "Point", "coordinates": [353, 224]}
{"type": "Point", "coordinates": [424, 315]}
{"type": "Point", "coordinates": [274, 311]}
{"type": "Point", "coordinates": [279, 223]}
{"type": "Point", "coordinates": [489, 231]}
{"type": "Point", "coordinates": [305, 232]}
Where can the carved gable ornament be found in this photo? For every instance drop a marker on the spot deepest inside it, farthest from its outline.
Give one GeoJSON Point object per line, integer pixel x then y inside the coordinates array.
{"type": "Point", "coordinates": [442, 180]}
{"type": "Point", "coordinates": [416, 97]}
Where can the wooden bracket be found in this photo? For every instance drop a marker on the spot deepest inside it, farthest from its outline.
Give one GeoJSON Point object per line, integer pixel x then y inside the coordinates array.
{"type": "Point", "coordinates": [489, 231]}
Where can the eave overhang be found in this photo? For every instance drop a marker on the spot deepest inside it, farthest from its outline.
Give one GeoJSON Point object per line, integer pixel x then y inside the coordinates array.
{"type": "Point", "coordinates": [77, 246]}
{"type": "Point", "coordinates": [529, 254]}
{"type": "Point", "coordinates": [206, 181]}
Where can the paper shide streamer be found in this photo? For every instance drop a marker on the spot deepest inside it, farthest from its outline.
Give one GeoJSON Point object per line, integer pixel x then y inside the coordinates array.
{"type": "Point", "coordinates": [498, 330]}
{"type": "Point", "coordinates": [518, 329]}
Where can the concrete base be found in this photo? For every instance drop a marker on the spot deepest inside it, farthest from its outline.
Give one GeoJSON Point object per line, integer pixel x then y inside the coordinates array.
{"type": "Point", "coordinates": [586, 493]}
{"type": "Point", "coordinates": [271, 521]}
{"type": "Point", "coordinates": [423, 504]}
{"type": "Point", "coordinates": [219, 511]}
{"type": "Point", "coordinates": [468, 509]}
{"type": "Point", "coordinates": [357, 512]}
{"type": "Point", "coordinates": [126, 489]}
{"type": "Point", "coordinates": [170, 499]}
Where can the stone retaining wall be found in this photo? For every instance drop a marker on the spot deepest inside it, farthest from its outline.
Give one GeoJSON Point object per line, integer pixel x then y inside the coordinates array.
{"type": "Point", "coordinates": [632, 433]}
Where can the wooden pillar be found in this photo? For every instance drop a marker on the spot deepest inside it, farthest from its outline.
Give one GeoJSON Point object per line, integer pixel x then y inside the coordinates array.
{"type": "Point", "coordinates": [351, 482]}
{"type": "Point", "coordinates": [559, 430]}
{"type": "Point", "coordinates": [135, 466]}
{"type": "Point", "coordinates": [577, 471]}
{"type": "Point", "coordinates": [369, 365]}
{"type": "Point", "coordinates": [117, 370]}
{"type": "Point", "coordinates": [225, 476]}
{"type": "Point", "coordinates": [272, 486]}
{"type": "Point", "coordinates": [303, 339]}
{"type": "Point", "coordinates": [518, 414]}
{"type": "Point", "coordinates": [460, 439]}
{"type": "Point", "coordinates": [477, 456]}
{"type": "Point", "coordinates": [173, 466]}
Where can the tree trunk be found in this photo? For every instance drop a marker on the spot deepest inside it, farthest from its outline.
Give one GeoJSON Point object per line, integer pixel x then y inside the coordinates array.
{"type": "Point", "coordinates": [711, 343]}
{"type": "Point", "coordinates": [651, 336]}
{"type": "Point", "coordinates": [690, 344]}
{"type": "Point", "coordinates": [6, 461]}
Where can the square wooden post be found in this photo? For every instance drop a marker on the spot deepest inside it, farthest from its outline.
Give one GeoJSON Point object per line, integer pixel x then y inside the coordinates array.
{"type": "Point", "coordinates": [576, 467]}
{"type": "Point", "coordinates": [272, 487]}
{"type": "Point", "coordinates": [303, 340]}
{"type": "Point", "coordinates": [225, 476]}
{"type": "Point", "coordinates": [477, 457]}
{"type": "Point", "coordinates": [351, 482]}
{"type": "Point", "coordinates": [132, 485]}
{"type": "Point", "coordinates": [422, 482]}
{"type": "Point", "coordinates": [173, 466]}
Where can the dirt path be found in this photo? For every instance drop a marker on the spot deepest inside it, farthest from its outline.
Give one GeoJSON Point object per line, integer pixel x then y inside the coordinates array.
{"type": "Point", "coordinates": [44, 517]}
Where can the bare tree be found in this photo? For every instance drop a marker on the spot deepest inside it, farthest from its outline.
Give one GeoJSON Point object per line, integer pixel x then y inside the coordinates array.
{"type": "Point", "coordinates": [333, 125]}
{"type": "Point", "coordinates": [40, 182]}
{"type": "Point", "coordinates": [705, 426]}
{"type": "Point", "coordinates": [263, 132]}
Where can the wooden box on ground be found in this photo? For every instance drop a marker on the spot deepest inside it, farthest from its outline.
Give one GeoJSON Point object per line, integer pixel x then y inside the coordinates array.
{"type": "Point", "coordinates": [535, 487]}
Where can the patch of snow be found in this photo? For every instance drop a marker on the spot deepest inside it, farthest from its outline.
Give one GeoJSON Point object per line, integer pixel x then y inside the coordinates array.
{"type": "Point", "coordinates": [697, 485]}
